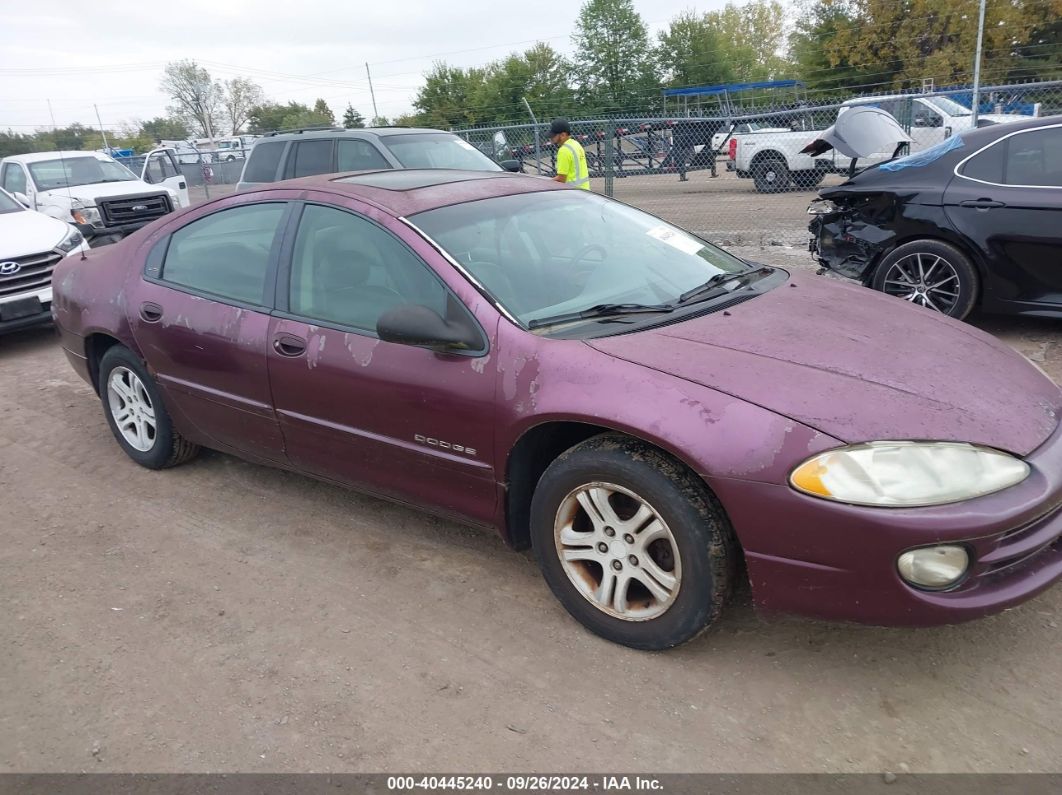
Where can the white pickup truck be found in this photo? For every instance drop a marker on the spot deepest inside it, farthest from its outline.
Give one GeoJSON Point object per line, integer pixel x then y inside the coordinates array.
{"type": "Point", "coordinates": [101, 197]}
{"type": "Point", "coordinates": [774, 162]}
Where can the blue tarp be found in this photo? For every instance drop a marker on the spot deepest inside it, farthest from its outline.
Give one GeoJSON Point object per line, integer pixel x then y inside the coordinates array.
{"type": "Point", "coordinates": [728, 88]}
{"type": "Point", "coordinates": [925, 157]}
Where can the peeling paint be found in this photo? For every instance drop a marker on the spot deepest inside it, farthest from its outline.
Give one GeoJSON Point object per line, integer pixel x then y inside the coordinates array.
{"type": "Point", "coordinates": [479, 364]}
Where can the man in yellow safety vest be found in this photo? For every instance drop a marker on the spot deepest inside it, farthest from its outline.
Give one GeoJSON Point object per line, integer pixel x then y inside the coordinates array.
{"type": "Point", "coordinates": [571, 158]}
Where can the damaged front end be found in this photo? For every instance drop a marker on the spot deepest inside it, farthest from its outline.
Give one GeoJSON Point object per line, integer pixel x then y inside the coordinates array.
{"type": "Point", "coordinates": [848, 232]}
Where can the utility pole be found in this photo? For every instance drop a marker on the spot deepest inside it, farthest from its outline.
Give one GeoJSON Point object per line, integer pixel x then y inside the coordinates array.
{"type": "Point", "coordinates": [375, 113]}
{"type": "Point", "coordinates": [103, 132]}
{"type": "Point", "coordinates": [977, 65]}
{"type": "Point", "coordinates": [538, 154]}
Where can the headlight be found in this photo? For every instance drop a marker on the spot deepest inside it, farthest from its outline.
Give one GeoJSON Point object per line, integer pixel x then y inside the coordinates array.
{"type": "Point", "coordinates": [87, 215]}
{"type": "Point", "coordinates": [72, 240]}
{"type": "Point", "coordinates": [907, 474]}
{"type": "Point", "coordinates": [822, 207]}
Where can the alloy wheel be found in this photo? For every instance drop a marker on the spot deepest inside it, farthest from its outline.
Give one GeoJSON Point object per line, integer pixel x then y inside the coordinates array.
{"type": "Point", "coordinates": [925, 279]}
{"type": "Point", "coordinates": [131, 408]}
{"type": "Point", "coordinates": [618, 551]}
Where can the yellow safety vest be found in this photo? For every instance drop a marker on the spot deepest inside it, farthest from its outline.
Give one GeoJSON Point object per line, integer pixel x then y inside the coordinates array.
{"type": "Point", "coordinates": [571, 161]}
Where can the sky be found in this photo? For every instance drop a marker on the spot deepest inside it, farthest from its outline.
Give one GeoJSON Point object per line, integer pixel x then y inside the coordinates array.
{"type": "Point", "coordinates": [111, 54]}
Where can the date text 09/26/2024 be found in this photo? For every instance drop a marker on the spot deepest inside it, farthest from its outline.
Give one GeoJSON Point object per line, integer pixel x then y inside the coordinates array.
{"type": "Point", "coordinates": [523, 783]}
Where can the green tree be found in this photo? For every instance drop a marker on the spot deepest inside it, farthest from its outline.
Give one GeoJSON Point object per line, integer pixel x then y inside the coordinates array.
{"type": "Point", "coordinates": [13, 143]}
{"type": "Point", "coordinates": [752, 38]}
{"type": "Point", "coordinates": [321, 109]}
{"type": "Point", "coordinates": [352, 119]}
{"type": "Point", "coordinates": [447, 96]}
{"type": "Point", "coordinates": [196, 96]}
{"type": "Point", "coordinates": [614, 62]}
{"type": "Point", "coordinates": [165, 128]}
{"type": "Point", "coordinates": [271, 116]}
{"type": "Point", "coordinates": [540, 74]}
{"type": "Point", "coordinates": [690, 52]}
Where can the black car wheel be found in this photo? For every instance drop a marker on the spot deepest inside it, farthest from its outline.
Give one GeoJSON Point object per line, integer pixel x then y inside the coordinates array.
{"type": "Point", "coordinates": [808, 179]}
{"type": "Point", "coordinates": [932, 274]}
{"type": "Point", "coordinates": [631, 543]}
{"type": "Point", "coordinates": [771, 176]}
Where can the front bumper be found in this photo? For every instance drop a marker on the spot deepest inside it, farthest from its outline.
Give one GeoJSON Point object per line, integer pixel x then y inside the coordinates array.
{"type": "Point", "coordinates": [838, 562]}
{"type": "Point", "coordinates": [105, 235]}
{"type": "Point", "coordinates": [12, 319]}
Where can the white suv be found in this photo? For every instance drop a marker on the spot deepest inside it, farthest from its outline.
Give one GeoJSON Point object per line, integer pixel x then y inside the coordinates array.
{"type": "Point", "coordinates": [31, 244]}
{"type": "Point", "coordinates": [103, 198]}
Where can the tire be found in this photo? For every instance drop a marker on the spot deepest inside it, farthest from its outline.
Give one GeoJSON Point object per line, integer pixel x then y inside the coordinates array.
{"type": "Point", "coordinates": [691, 562]}
{"type": "Point", "coordinates": [139, 401]}
{"type": "Point", "coordinates": [771, 176]}
{"type": "Point", "coordinates": [806, 180]}
{"type": "Point", "coordinates": [942, 266]}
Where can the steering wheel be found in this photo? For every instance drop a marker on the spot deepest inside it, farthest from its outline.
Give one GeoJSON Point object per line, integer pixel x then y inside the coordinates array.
{"type": "Point", "coordinates": [585, 251]}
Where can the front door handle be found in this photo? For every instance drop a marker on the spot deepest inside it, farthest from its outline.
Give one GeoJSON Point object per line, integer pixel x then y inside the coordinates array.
{"type": "Point", "coordinates": [289, 345]}
{"type": "Point", "coordinates": [981, 204]}
{"type": "Point", "coordinates": [150, 312]}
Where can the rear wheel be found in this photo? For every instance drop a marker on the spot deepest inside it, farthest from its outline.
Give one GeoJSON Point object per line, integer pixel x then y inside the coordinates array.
{"type": "Point", "coordinates": [930, 273]}
{"type": "Point", "coordinates": [631, 543]}
{"type": "Point", "coordinates": [135, 412]}
{"type": "Point", "coordinates": [771, 176]}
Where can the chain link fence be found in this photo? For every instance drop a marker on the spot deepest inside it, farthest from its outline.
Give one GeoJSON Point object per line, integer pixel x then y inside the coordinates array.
{"type": "Point", "coordinates": [738, 177]}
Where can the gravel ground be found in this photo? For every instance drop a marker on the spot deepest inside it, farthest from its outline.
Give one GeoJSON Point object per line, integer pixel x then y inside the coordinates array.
{"type": "Point", "coordinates": [227, 617]}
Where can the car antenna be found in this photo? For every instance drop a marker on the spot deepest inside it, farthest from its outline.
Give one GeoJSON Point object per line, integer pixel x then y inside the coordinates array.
{"type": "Point", "coordinates": [62, 162]}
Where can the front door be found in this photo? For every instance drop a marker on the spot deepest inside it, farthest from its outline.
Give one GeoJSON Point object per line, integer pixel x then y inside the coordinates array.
{"type": "Point", "coordinates": [396, 420]}
{"type": "Point", "coordinates": [160, 168]}
{"type": "Point", "coordinates": [200, 316]}
{"type": "Point", "coordinates": [1007, 198]}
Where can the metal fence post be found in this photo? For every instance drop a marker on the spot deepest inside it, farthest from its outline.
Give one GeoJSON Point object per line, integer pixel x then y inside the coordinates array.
{"type": "Point", "coordinates": [610, 142]}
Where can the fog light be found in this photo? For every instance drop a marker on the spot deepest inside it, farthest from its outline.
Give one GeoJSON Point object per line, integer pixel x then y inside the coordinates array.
{"type": "Point", "coordinates": [933, 567]}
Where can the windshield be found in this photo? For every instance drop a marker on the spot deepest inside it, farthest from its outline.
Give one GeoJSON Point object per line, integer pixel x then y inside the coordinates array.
{"type": "Point", "coordinates": [555, 252]}
{"type": "Point", "coordinates": [949, 106]}
{"type": "Point", "coordinates": [438, 150]}
{"type": "Point", "coordinates": [8, 204]}
{"type": "Point", "coordinates": [71, 171]}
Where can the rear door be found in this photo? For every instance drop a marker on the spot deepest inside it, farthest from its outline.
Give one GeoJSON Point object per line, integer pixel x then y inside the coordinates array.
{"type": "Point", "coordinates": [160, 168]}
{"type": "Point", "coordinates": [1007, 198]}
{"type": "Point", "coordinates": [200, 315]}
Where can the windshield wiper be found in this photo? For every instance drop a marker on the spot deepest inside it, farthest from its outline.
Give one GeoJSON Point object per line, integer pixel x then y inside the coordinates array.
{"type": "Point", "coordinates": [717, 281]}
{"type": "Point", "coordinates": [600, 310]}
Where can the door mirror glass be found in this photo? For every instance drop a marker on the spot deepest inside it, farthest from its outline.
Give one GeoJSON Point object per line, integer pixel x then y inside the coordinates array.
{"type": "Point", "coordinates": [511, 165]}
{"type": "Point", "coordinates": [21, 198]}
{"type": "Point", "coordinates": [413, 324]}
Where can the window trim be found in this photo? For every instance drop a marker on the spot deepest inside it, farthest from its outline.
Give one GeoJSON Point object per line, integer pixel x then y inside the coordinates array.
{"type": "Point", "coordinates": [282, 308]}
{"type": "Point", "coordinates": [996, 142]}
{"type": "Point", "coordinates": [269, 287]}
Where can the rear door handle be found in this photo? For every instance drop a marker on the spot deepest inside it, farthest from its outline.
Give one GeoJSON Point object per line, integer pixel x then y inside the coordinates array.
{"type": "Point", "coordinates": [981, 204]}
{"type": "Point", "coordinates": [150, 312]}
{"type": "Point", "coordinates": [289, 345]}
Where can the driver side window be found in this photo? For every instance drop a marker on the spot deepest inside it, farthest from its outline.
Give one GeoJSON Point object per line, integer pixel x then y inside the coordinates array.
{"type": "Point", "coordinates": [14, 178]}
{"type": "Point", "coordinates": [349, 271]}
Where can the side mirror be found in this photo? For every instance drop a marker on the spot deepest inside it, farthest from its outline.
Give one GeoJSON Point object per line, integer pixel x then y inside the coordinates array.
{"type": "Point", "coordinates": [22, 199]}
{"type": "Point", "coordinates": [413, 324]}
{"type": "Point", "coordinates": [511, 165]}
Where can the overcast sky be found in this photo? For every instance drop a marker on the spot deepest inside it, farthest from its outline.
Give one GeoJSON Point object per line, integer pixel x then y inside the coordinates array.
{"type": "Point", "coordinates": [77, 53]}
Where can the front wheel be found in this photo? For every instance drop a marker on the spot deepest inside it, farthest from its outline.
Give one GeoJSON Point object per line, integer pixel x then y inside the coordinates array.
{"type": "Point", "coordinates": [930, 273]}
{"type": "Point", "coordinates": [135, 412]}
{"type": "Point", "coordinates": [806, 180]}
{"type": "Point", "coordinates": [633, 545]}
{"type": "Point", "coordinates": [771, 176]}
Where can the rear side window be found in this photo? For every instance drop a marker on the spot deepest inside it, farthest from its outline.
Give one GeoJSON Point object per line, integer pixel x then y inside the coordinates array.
{"type": "Point", "coordinates": [359, 155]}
{"type": "Point", "coordinates": [988, 165]}
{"type": "Point", "coordinates": [262, 165]}
{"type": "Point", "coordinates": [1035, 158]}
{"type": "Point", "coordinates": [226, 254]}
{"type": "Point", "coordinates": [311, 157]}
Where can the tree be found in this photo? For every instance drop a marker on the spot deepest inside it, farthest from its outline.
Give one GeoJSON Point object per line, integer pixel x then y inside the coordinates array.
{"type": "Point", "coordinates": [539, 75]}
{"type": "Point", "coordinates": [752, 38]}
{"type": "Point", "coordinates": [196, 95]}
{"type": "Point", "coordinates": [613, 63]}
{"type": "Point", "coordinates": [271, 116]}
{"type": "Point", "coordinates": [162, 128]}
{"type": "Point", "coordinates": [352, 119]}
{"type": "Point", "coordinates": [447, 96]}
{"type": "Point", "coordinates": [382, 121]}
{"type": "Point", "coordinates": [321, 109]}
{"type": "Point", "coordinates": [239, 97]}
{"type": "Point", "coordinates": [691, 52]}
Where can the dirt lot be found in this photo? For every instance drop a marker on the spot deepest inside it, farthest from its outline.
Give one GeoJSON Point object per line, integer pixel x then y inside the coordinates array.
{"type": "Point", "coordinates": [222, 617]}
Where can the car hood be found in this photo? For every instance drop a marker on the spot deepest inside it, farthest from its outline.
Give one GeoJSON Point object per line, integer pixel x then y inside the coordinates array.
{"type": "Point", "coordinates": [104, 190]}
{"type": "Point", "coordinates": [28, 232]}
{"type": "Point", "coordinates": [857, 365]}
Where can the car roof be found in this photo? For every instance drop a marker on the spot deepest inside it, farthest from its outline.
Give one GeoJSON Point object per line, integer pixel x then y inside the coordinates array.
{"type": "Point", "coordinates": [36, 157]}
{"type": "Point", "coordinates": [340, 132]}
{"type": "Point", "coordinates": [404, 192]}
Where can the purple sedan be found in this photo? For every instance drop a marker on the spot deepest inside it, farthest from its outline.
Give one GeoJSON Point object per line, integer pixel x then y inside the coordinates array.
{"type": "Point", "coordinates": [653, 416]}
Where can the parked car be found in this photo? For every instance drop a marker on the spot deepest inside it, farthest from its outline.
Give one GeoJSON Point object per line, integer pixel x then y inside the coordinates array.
{"type": "Point", "coordinates": [304, 153]}
{"type": "Point", "coordinates": [776, 162]}
{"type": "Point", "coordinates": [103, 198]}
{"type": "Point", "coordinates": [974, 222]}
{"type": "Point", "coordinates": [640, 407]}
{"type": "Point", "coordinates": [31, 244]}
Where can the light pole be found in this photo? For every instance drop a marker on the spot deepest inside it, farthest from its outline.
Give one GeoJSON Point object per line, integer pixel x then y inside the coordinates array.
{"type": "Point", "coordinates": [977, 66]}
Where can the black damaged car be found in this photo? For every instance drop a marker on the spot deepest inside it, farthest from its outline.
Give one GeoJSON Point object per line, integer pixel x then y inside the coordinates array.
{"type": "Point", "coordinates": [975, 221]}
